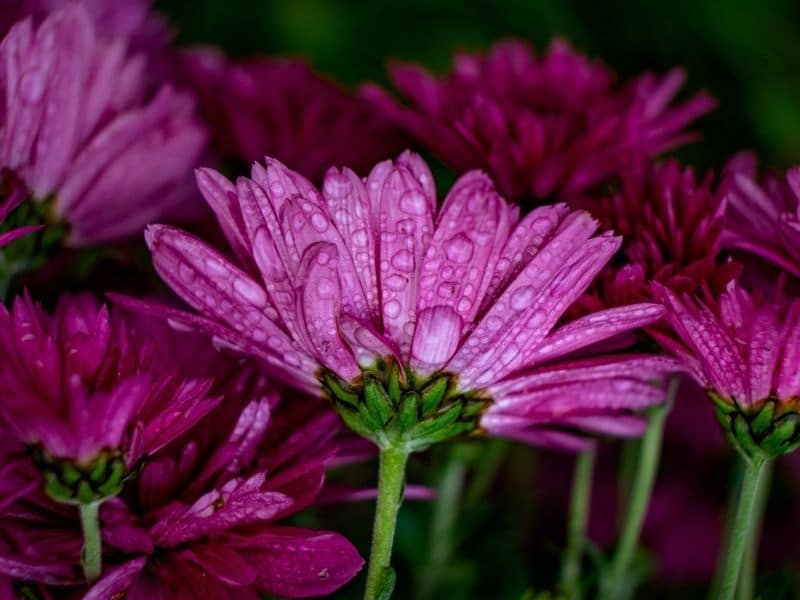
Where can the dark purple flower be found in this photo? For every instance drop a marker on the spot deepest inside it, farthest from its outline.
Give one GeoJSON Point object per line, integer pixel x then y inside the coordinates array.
{"type": "Point", "coordinates": [764, 214]}
{"type": "Point", "coordinates": [280, 107]}
{"type": "Point", "coordinates": [543, 126]}
{"type": "Point", "coordinates": [88, 396]}
{"type": "Point", "coordinates": [671, 225]}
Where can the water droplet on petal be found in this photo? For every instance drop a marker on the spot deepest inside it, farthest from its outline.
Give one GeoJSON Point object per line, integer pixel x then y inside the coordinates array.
{"type": "Point", "coordinates": [396, 282]}
{"type": "Point", "coordinates": [413, 202]}
{"type": "Point", "coordinates": [392, 308]}
{"type": "Point", "coordinates": [403, 260]}
{"type": "Point", "coordinates": [360, 238]}
{"type": "Point", "coordinates": [459, 248]}
{"type": "Point", "coordinates": [522, 297]}
{"type": "Point", "coordinates": [319, 222]}
{"type": "Point", "coordinates": [325, 288]}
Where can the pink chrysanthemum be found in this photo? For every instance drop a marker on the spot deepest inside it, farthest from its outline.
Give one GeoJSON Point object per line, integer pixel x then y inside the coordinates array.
{"type": "Point", "coordinates": [282, 108]}
{"type": "Point", "coordinates": [671, 224]}
{"type": "Point", "coordinates": [544, 126]}
{"type": "Point", "coordinates": [202, 519]}
{"type": "Point", "coordinates": [764, 216]}
{"type": "Point", "coordinates": [80, 129]}
{"type": "Point", "coordinates": [132, 20]}
{"type": "Point", "coordinates": [89, 397]}
{"type": "Point", "coordinates": [744, 349]}
{"type": "Point", "coordinates": [441, 321]}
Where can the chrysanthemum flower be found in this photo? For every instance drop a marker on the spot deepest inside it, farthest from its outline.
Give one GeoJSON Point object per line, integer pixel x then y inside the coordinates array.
{"type": "Point", "coordinates": [764, 216]}
{"type": "Point", "coordinates": [671, 224]}
{"type": "Point", "coordinates": [281, 108]}
{"type": "Point", "coordinates": [744, 350]}
{"type": "Point", "coordinates": [202, 519]}
{"type": "Point", "coordinates": [88, 397]}
{"type": "Point", "coordinates": [80, 128]}
{"type": "Point", "coordinates": [133, 20]}
{"type": "Point", "coordinates": [419, 323]}
{"type": "Point", "coordinates": [544, 126]}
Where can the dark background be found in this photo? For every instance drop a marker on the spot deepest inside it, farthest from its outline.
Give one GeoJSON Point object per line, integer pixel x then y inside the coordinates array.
{"type": "Point", "coordinates": [747, 54]}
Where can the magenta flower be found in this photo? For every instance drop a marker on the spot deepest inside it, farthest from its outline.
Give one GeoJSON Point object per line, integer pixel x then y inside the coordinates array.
{"type": "Point", "coordinates": [205, 523]}
{"type": "Point", "coordinates": [89, 397]}
{"type": "Point", "coordinates": [764, 216]}
{"type": "Point", "coordinates": [743, 349]}
{"type": "Point", "coordinates": [442, 321]}
{"type": "Point", "coordinates": [282, 108]}
{"type": "Point", "coordinates": [554, 125]}
{"type": "Point", "coordinates": [202, 518]}
{"type": "Point", "coordinates": [671, 224]}
{"type": "Point", "coordinates": [80, 129]}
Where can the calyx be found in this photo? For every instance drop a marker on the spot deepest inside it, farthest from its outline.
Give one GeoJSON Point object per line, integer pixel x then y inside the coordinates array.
{"type": "Point", "coordinates": [767, 429]}
{"type": "Point", "coordinates": [395, 408]}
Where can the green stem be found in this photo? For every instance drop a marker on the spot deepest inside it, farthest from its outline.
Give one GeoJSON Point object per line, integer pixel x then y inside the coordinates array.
{"type": "Point", "coordinates": [747, 578]}
{"type": "Point", "coordinates": [580, 501]}
{"type": "Point", "coordinates": [616, 584]}
{"type": "Point", "coordinates": [391, 475]}
{"type": "Point", "coordinates": [445, 516]}
{"type": "Point", "coordinates": [742, 528]}
{"type": "Point", "coordinates": [92, 554]}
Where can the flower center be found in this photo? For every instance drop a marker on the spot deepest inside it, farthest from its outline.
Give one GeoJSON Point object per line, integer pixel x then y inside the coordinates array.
{"type": "Point", "coordinates": [766, 429]}
{"type": "Point", "coordinates": [71, 483]}
{"type": "Point", "coordinates": [395, 408]}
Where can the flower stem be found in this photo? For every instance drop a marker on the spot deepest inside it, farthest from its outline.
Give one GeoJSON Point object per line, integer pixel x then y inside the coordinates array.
{"type": "Point", "coordinates": [747, 579]}
{"type": "Point", "coordinates": [741, 529]}
{"type": "Point", "coordinates": [580, 500]}
{"type": "Point", "coordinates": [391, 475]}
{"type": "Point", "coordinates": [615, 585]}
{"type": "Point", "coordinates": [92, 553]}
{"type": "Point", "coordinates": [445, 516]}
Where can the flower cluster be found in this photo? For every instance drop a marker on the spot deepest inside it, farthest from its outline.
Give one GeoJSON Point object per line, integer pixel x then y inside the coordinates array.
{"type": "Point", "coordinates": [544, 126]}
{"type": "Point", "coordinates": [178, 442]}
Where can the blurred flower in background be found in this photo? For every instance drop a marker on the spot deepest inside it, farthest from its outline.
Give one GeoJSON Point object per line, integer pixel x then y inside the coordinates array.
{"type": "Point", "coordinates": [545, 127]}
{"type": "Point", "coordinates": [277, 107]}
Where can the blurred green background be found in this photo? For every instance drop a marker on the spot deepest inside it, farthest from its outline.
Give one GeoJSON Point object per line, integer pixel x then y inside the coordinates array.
{"type": "Point", "coordinates": [746, 53]}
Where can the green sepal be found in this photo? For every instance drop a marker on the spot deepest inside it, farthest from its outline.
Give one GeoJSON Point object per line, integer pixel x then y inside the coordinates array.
{"type": "Point", "coordinates": [740, 430]}
{"type": "Point", "coordinates": [782, 437]}
{"type": "Point", "coordinates": [98, 471]}
{"type": "Point", "coordinates": [433, 395]}
{"type": "Point", "coordinates": [433, 424]}
{"type": "Point", "coordinates": [70, 475]}
{"type": "Point", "coordinates": [353, 421]}
{"type": "Point", "coordinates": [371, 422]}
{"type": "Point", "coordinates": [409, 409]}
{"type": "Point", "coordinates": [85, 492]}
{"type": "Point", "coordinates": [55, 489]}
{"type": "Point", "coordinates": [722, 406]}
{"type": "Point", "coordinates": [340, 393]}
{"type": "Point", "coordinates": [393, 385]}
{"type": "Point", "coordinates": [112, 485]}
{"type": "Point", "coordinates": [761, 423]}
{"type": "Point", "coordinates": [378, 401]}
